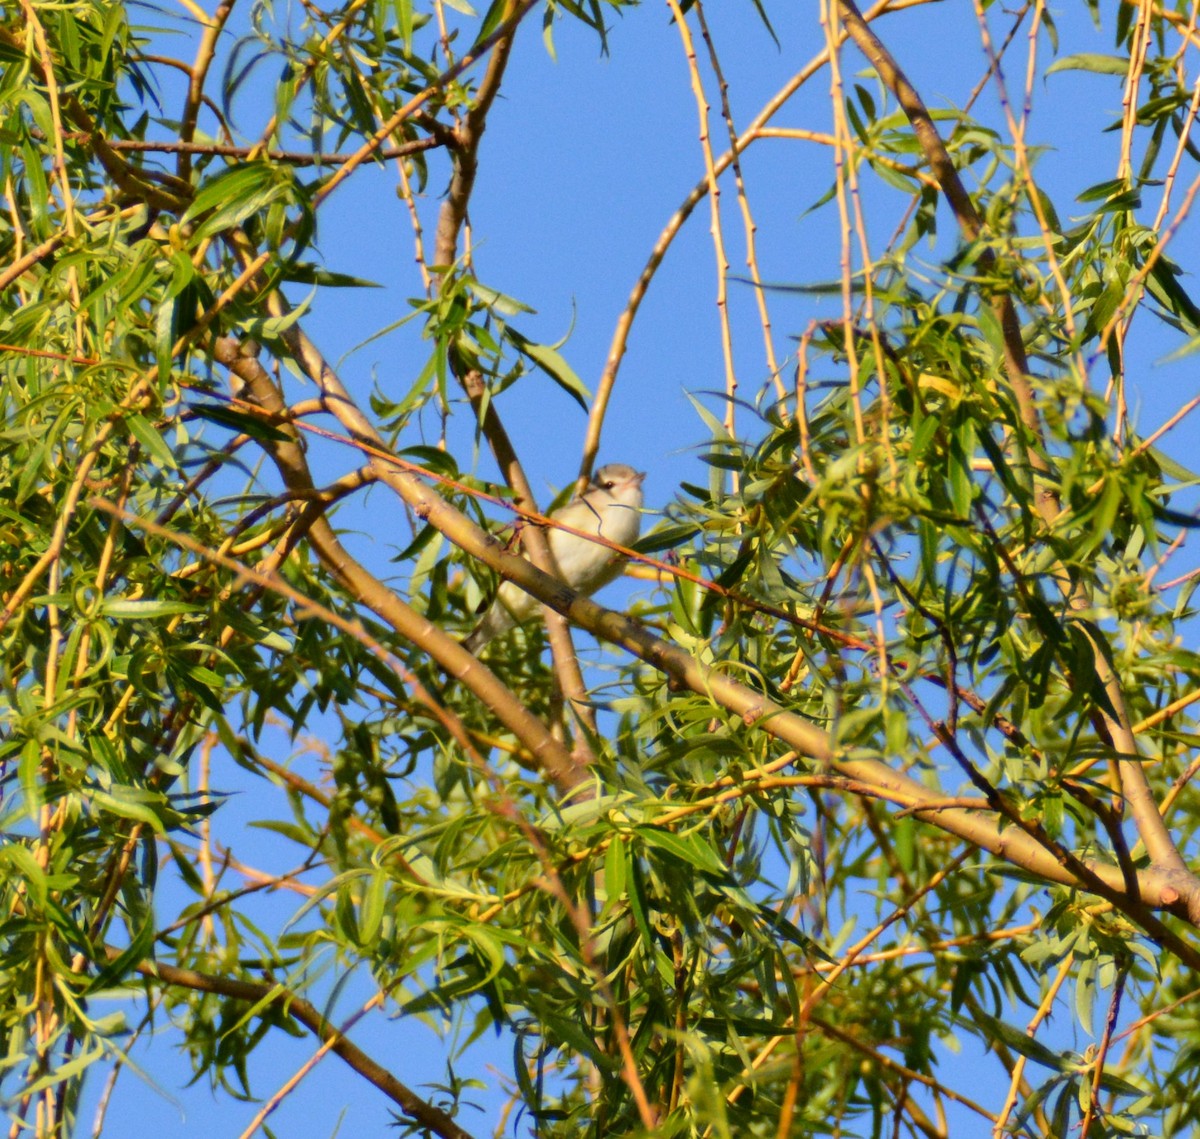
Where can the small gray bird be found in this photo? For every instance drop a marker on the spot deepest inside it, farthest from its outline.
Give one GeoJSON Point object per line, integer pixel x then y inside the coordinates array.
{"type": "Point", "coordinates": [611, 507]}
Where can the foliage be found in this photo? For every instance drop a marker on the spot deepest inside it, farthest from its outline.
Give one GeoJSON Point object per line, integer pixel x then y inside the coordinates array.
{"type": "Point", "coordinates": [893, 755]}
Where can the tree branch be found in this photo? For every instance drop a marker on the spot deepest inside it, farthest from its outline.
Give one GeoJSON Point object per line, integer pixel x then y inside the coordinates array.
{"type": "Point", "coordinates": [1157, 887]}
{"type": "Point", "coordinates": [275, 996]}
{"type": "Point", "coordinates": [289, 458]}
{"type": "Point", "coordinates": [451, 218]}
{"type": "Point", "coordinates": [1134, 784]}
{"type": "Point", "coordinates": [290, 157]}
{"type": "Point", "coordinates": [535, 540]}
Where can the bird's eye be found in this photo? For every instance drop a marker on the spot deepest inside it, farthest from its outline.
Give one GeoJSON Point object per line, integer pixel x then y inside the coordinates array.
{"type": "Point", "coordinates": [608, 484]}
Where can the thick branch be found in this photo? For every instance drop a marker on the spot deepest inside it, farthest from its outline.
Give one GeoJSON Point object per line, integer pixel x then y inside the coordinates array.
{"type": "Point", "coordinates": [454, 659]}
{"type": "Point", "coordinates": [197, 75]}
{"type": "Point", "coordinates": [1156, 887]}
{"type": "Point", "coordinates": [535, 541]}
{"type": "Point", "coordinates": [466, 157]}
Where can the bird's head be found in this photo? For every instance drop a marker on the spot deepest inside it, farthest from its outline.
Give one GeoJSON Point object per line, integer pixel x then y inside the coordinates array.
{"type": "Point", "coordinates": [620, 481]}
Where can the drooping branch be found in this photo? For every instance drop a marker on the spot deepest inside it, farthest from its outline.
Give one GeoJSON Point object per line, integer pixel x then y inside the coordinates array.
{"type": "Point", "coordinates": [1116, 729]}
{"type": "Point", "coordinates": [944, 170]}
{"type": "Point", "coordinates": [620, 337]}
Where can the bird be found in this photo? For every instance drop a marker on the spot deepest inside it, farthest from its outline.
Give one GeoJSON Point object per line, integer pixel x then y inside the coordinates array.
{"type": "Point", "coordinates": [610, 507]}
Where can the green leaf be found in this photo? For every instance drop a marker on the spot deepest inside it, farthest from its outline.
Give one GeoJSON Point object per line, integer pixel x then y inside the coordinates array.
{"type": "Point", "coordinates": [234, 195]}
{"type": "Point", "coordinates": [637, 896]}
{"type": "Point", "coordinates": [131, 803]}
{"type": "Point", "coordinates": [138, 950]}
{"type": "Point", "coordinates": [151, 439]}
{"type": "Point", "coordinates": [18, 861]}
{"type": "Point", "coordinates": [1089, 61]}
{"type": "Point", "coordinates": [127, 609]}
{"type": "Point", "coordinates": [688, 848]}
{"type": "Point", "coordinates": [266, 329]}
{"type": "Point", "coordinates": [76, 1066]}
{"type": "Point", "coordinates": [244, 422]}
{"type": "Point", "coordinates": [29, 773]}
{"type": "Point", "coordinates": [1163, 284]}
{"type": "Point", "coordinates": [304, 273]}
{"type": "Point", "coordinates": [666, 536]}
{"type": "Point", "coordinates": [554, 365]}
{"type": "Point", "coordinates": [1022, 1043]}
{"type": "Point", "coordinates": [1102, 191]}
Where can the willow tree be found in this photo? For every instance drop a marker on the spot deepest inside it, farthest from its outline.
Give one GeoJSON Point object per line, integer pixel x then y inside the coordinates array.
{"type": "Point", "coordinates": [890, 759]}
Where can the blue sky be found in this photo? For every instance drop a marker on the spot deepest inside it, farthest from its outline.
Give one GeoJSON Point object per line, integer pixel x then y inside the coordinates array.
{"type": "Point", "coordinates": [584, 160]}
